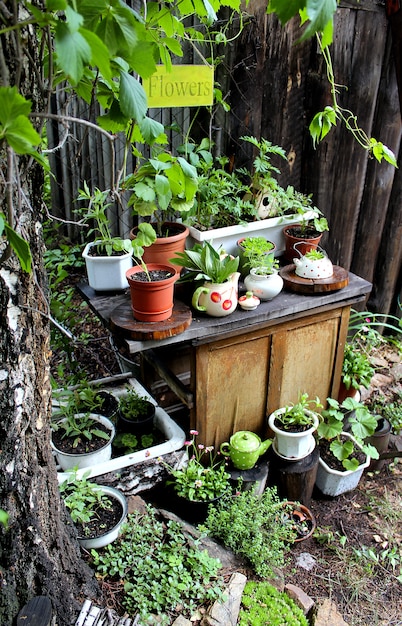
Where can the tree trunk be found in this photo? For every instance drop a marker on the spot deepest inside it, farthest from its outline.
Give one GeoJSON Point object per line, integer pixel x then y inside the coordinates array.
{"type": "Point", "coordinates": [39, 554]}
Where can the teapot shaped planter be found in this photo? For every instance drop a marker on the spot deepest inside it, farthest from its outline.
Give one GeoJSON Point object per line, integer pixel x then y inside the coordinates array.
{"type": "Point", "coordinates": [313, 264]}
{"type": "Point", "coordinates": [244, 449]}
{"type": "Point", "coordinates": [217, 299]}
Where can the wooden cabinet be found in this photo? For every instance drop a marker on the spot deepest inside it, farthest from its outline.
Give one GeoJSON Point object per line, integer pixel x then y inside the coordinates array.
{"type": "Point", "coordinates": [244, 366]}
{"type": "Point", "coordinates": [238, 382]}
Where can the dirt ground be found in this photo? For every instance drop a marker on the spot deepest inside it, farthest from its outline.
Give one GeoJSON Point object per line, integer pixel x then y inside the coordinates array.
{"type": "Point", "coordinates": [355, 555]}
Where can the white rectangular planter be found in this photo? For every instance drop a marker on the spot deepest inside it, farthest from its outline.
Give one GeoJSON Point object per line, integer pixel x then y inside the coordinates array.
{"type": "Point", "coordinates": [174, 434]}
{"type": "Point", "coordinates": [107, 273]}
{"type": "Point", "coordinates": [227, 237]}
{"type": "Point", "coordinates": [333, 482]}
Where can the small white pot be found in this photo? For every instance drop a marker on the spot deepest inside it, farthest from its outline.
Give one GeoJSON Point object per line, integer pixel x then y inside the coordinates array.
{"type": "Point", "coordinates": [107, 273]}
{"type": "Point", "coordinates": [332, 482]}
{"type": "Point", "coordinates": [112, 534]}
{"type": "Point", "coordinates": [68, 461]}
{"type": "Point", "coordinates": [293, 446]}
{"type": "Point", "coordinates": [265, 287]}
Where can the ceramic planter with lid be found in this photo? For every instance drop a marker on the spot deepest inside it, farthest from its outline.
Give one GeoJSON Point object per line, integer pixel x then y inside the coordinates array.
{"type": "Point", "coordinates": [244, 449]}
{"type": "Point", "coordinates": [264, 286]}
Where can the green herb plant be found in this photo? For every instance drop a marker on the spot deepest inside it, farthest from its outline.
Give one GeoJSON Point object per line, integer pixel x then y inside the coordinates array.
{"type": "Point", "coordinates": [314, 255]}
{"type": "Point", "coordinates": [357, 370]}
{"type": "Point", "coordinates": [352, 415]}
{"type": "Point", "coordinates": [390, 410]}
{"type": "Point", "coordinates": [251, 526]}
{"type": "Point", "coordinates": [158, 569]}
{"type": "Point", "coordinates": [80, 427]}
{"type": "Point", "coordinates": [130, 443]}
{"type": "Point", "coordinates": [204, 477]}
{"type": "Point", "coordinates": [206, 263]}
{"type": "Point", "coordinates": [298, 414]}
{"type": "Point", "coordinates": [133, 406]}
{"type": "Point", "coordinates": [263, 604]}
{"type": "Point", "coordinates": [83, 499]}
{"type": "Point", "coordinates": [257, 255]}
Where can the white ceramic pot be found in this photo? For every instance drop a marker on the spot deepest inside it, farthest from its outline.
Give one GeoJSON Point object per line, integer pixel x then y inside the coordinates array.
{"type": "Point", "coordinates": [67, 460]}
{"type": "Point", "coordinates": [313, 268]}
{"type": "Point", "coordinates": [106, 273]}
{"type": "Point", "coordinates": [293, 446]}
{"type": "Point", "coordinates": [264, 287]}
{"type": "Point", "coordinates": [112, 534]}
{"type": "Point", "coordinates": [332, 482]}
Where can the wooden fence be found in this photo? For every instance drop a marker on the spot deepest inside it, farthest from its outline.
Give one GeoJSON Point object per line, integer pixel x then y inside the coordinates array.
{"type": "Point", "coordinates": [275, 86]}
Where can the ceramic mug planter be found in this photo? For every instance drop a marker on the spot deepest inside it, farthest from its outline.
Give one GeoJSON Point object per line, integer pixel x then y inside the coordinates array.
{"type": "Point", "coordinates": [152, 301]}
{"type": "Point", "coordinates": [333, 482]}
{"type": "Point", "coordinates": [69, 460]}
{"type": "Point", "coordinates": [217, 299]}
{"type": "Point", "coordinates": [244, 449]}
{"type": "Point", "coordinates": [111, 534]}
{"type": "Point", "coordinates": [293, 446]}
{"type": "Point", "coordinates": [265, 287]}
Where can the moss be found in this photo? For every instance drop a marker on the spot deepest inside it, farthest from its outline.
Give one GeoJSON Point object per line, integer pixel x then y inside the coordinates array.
{"type": "Point", "coordinates": [263, 604]}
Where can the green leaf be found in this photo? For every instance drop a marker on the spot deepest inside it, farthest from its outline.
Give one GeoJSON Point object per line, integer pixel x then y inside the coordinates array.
{"type": "Point", "coordinates": [133, 100]}
{"type": "Point", "coordinates": [163, 191]}
{"type": "Point", "coordinates": [321, 15]}
{"type": "Point", "coordinates": [4, 518]}
{"type": "Point", "coordinates": [152, 131]}
{"type": "Point", "coordinates": [142, 59]}
{"type": "Point", "coordinates": [285, 10]}
{"type": "Point", "coordinates": [73, 52]}
{"type": "Point", "coordinates": [321, 124]}
{"type": "Point", "coordinates": [100, 56]}
{"type": "Point", "coordinates": [20, 247]}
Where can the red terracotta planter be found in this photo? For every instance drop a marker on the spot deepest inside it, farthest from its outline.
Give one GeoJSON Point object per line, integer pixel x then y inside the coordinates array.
{"type": "Point", "coordinates": [305, 245]}
{"type": "Point", "coordinates": [165, 248]}
{"type": "Point", "coordinates": [152, 301]}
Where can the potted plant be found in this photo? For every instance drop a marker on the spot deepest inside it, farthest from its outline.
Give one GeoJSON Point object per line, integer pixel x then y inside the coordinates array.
{"type": "Point", "coordinates": [263, 279]}
{"type": "Point", "coordinates": [299, 518]}
{"type": "Point", "coordinates": [357, 371]}
{"type": "Point", "coordinates": [136, 413]}
{"type": "Point", "coordinates": [294, 426]}
{"type": "Point", "coordinates": [108, 258]}
{"type": "Point", "coordinates": [313, 264]}
{"type": "Point", "coordinates": [152, 291]}
{"type": "Point", "coordinates": [162, 187]}
{"type": "Point", "coordinates": [202, 480]}
{"type": "Point", "coordinates": [87, 398]}
{"type": "Point", "coordinates": [80, 439]}
{"type": "Point", "coordinates": [308, 232]}
{"type": "Point", "coordinates": [235, 203]}
{"type": "Point", "coordinates": [252, 249]}
{"type": "Point", "coordinates": [344, 454]}
{"type": "Point", "coordinates": [218, 294]}
{"type": "Point", "coordinates": [97, 511]}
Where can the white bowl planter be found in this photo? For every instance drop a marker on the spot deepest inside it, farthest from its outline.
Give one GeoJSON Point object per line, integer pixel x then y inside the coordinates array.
{"type": "Point", "coordinates": [68, 460]}
{"type": "Point", "coordinates": [289, 445]}
{"type": "Point", "coordinates": [112, 534]}
{"type": "Point", "coordinates": [265, 287]}
{"type": "Point", "coordinates": [228, 236]}
{"type": "Point", "coordinates": [107, 273]}
{"type": "Point", "coordinates": [332, 482]}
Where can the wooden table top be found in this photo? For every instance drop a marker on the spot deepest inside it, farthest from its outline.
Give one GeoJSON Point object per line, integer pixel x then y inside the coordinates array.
{"type": "Point", "coordinates": [286, 305]}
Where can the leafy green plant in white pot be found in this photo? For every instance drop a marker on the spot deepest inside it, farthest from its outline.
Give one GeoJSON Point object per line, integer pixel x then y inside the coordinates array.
{"type": "Point", "coordinates": [294, 426]}
{"type": "Point", "coordinates": [97, 511]}
{"type": "Point", "coordinates": [218, 295]}
{"type": "Point", "coordinates": [108, 258]}
{"type": "Point", "coordinates": [344, 453]}
{"type": "Point", "coordinates": [263, 279]}
{"type": "Point", "coordinates": [81, 439]}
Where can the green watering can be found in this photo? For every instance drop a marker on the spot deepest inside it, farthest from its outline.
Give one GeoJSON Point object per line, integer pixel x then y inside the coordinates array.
{"type": "Point", "coordinates": [244, 449]}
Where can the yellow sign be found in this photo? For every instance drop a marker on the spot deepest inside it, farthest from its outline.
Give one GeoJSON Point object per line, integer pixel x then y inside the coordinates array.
{"type": "Point", "coordinates": [184, 86]}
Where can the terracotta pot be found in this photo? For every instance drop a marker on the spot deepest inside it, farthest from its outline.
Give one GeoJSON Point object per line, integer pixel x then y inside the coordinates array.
{"type": "Point", "coordinates": [165, 248]}
{"type": "Point", "coordinates": [152, 301]}
{"type": "Point", "coordinates": [305, 244]}
{"type": "Point", "coordinates": [301, 518]}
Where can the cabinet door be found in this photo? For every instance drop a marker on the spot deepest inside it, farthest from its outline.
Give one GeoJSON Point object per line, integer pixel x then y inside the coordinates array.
{"type": "Point", "coordinates": [231, 388]}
